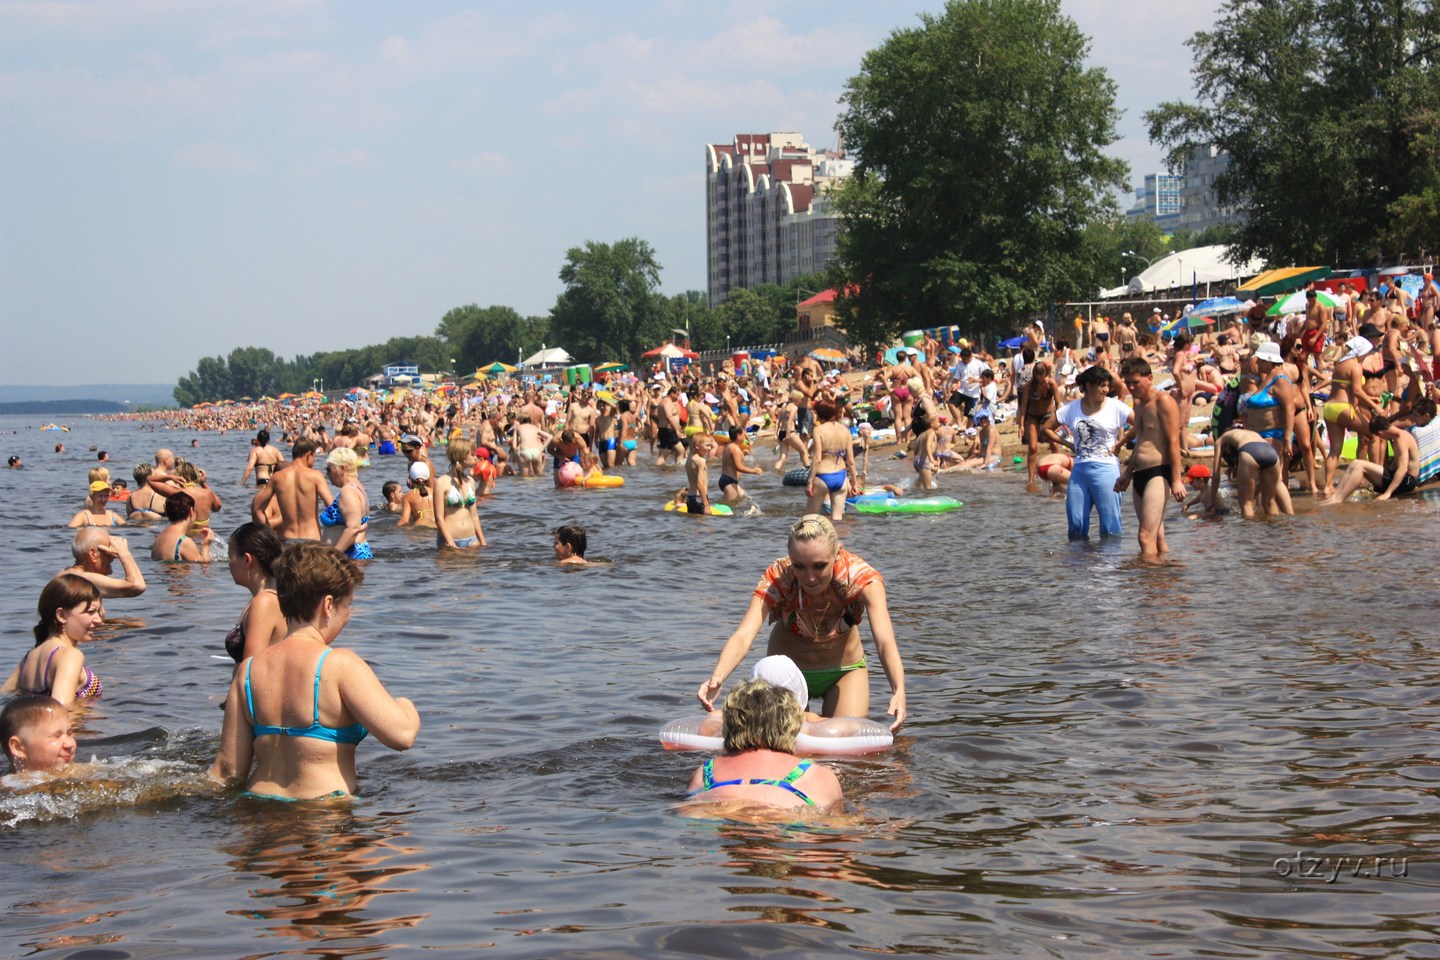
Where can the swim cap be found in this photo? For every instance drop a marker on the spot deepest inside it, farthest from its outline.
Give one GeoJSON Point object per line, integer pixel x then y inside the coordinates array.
{"type": "Point", "coordinates": [781, 671]}
{"type": "Point", "coordinates": [419, 471]}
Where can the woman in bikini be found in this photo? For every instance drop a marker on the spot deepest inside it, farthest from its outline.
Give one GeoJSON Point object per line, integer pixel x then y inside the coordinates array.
{"type": "Point", "coordinates": [70, 610]}
{"type": "Point", "coordinates": [181, 541]}
{"type": "Point", "coordinates": [1270, 411]}
{"type": "Point", "coordinates": [1348, 407]}
{"type": "Point", "coordinates": [816, 597]}
{"type": "Point", "coordinates": [346, 522]}
{"type": "Point", "coordinates": [1039, 398]}
{"type": "Point", "coordinates": [254, 548]}
{"type": "Point", "coordinates": [296, 711]}
{"type": "Point", "coordinates": [96, 513]}
{"type": "Point", "coordinates": [457, 523]}
{"type": "Point", "coordinates": [759, 766]}
{"type": "Point", "coordinates": [832, 461]}
{"type": "Point", "coordinates": [1303, 376]}
{"type": "Point", "coordinates": [787, 434]}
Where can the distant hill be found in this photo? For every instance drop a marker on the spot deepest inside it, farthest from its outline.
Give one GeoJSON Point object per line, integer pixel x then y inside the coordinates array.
{"type": "Point", "coordinates": [150, 394]}
{"type": "Point", "coordinates": [61, 407]}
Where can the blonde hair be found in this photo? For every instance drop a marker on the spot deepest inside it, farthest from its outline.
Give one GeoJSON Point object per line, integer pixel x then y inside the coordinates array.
{"type": "Point", "coordinates": [98, 473]}
{"type": "Point", "coordinates": [343, 457]}
{"type": "Point", "coordinates": [814, 526]}
{"type": "Point", "coordinates": [457, 451]}
{"type": "Point", "coordinates": [761, 716]}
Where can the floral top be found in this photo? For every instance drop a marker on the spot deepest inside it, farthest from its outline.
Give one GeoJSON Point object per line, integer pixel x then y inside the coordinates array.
{"type": "Point", "coordinates": [788, 604]}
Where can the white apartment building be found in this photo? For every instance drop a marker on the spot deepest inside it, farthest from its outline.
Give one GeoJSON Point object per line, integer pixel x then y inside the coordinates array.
{"type": "Point", "coordinates": [767, 217]}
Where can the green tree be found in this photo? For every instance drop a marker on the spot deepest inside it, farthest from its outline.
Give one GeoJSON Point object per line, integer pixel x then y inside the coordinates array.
{"type": "Point", "coordinates": [979, 141]}
{"type": "Point", "coordinates": [609, 309]}
{"type": "Point", "coordinates": [480, 335]}
{"type": "Point", "coordinates": [1325, 107]}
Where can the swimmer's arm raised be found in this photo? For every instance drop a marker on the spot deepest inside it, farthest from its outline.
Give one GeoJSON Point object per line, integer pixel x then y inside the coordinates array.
{"type": "Point", "coordinates": [134, 583]}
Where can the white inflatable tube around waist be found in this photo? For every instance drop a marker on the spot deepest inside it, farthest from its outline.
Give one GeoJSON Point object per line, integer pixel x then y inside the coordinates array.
{"type": "Point", "coordinates": [833, 736]}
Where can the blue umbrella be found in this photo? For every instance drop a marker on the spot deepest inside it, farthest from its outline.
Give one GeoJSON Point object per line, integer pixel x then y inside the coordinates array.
{"type": "Point", "coordinates": [1014, 343]}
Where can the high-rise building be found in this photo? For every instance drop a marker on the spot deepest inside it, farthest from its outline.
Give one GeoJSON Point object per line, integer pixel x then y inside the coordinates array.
{"type": "Point", "coordinates": [766, 214]}
{"type": "Point", "coordinates": [1158, 201]}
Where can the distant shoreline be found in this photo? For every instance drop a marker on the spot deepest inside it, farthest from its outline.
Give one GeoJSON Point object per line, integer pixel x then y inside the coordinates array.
{"type": "Point", "coordinates": [48, 407]}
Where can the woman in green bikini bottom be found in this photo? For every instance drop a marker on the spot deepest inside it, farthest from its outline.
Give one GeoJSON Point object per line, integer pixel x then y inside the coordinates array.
{"type": "Point", "coordinates": [297, 710]}
{"type": "Point", "coordinates": [816, 597]}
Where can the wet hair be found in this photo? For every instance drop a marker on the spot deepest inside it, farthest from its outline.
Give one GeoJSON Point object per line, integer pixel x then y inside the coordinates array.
{"type": "Point", "coordinates": [178, 506]}
{"type": "Point", "coordinates": [261, 542]}
{"type": "Point", "coordinates": [826, 410]}
{"type": "Point", "coordinates": [264, 437]}
{"type": "Point", "coordinates": [1135, 367]}
{"type": "Point", "coordinates": [389, 487]}
{"type": "Point", "coordinates": [573, 536]}
{"type": "Point", "coordinates": [142, 473]}
{"type": "Point", "coordinates": [87, 539]}
{"type": "Point", "coordinates": [65, 592]}
{"type": "Point", "coordinates": [22, 713]}
{"type": "Point", "coordinates": [303, 447]}
{"type": "Point", "coordinates": [814, 526]}
{"type": "Point", "coordinates": [1379, 424]}
{"type": "Point", "coordinates": [457, 451]}
{"type": "Point", "coordinates": [344, 458]}
{"type": "Point", "coordinates": [761, 716]}
{"type": "Point", "coordinates": [307, 573]}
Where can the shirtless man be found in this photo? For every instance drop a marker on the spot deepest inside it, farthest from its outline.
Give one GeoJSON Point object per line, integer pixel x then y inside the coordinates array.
{"type": "Point", "coordinates": [300, 490]}
{"type": "Point", "coordinates": [164, 465]}
{"type": "Point", "coordinates": [580, 417]}
{"type": "Point", "coordinates": [1156, 456]}
{"type": "Point", "coordinates": [263, 460]}
{"type": "Point", "coordinates": [487, 437]}
{"type": "Point", "coordinates": [667, 427]}
{"type": "Point", "coordinates": [95, 552]}
{"type": "Point", "coordinates": [1099, 331]}
{"type": "Point", "coordinates": [1400, 473]}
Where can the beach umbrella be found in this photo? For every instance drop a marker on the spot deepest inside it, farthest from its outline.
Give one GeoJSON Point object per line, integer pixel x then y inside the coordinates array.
{"type": "Point", "coordinates": [287, 396]}
{"type": "Point", "coordinates": [498, 366]}
{"type": "Point", "coordinates": [1014, 343]}
{"type": "Point", "coordinates": [828, 353]}
{"type": "Point", "coordinates": [1221, 307]}
{"type": "Point", "coordinates": [1190, 321]}
{"type": "Point", "coordinates": [612, 367]}
{"type": "Point", "coordinates": [1295, 303]}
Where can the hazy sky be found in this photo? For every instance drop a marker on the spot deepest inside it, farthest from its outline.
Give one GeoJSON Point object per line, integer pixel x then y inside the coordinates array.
{"type": "Point", "coordinates": [182, 177]}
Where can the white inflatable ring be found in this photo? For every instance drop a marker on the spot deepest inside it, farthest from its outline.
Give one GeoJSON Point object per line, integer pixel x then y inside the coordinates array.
{"type": "Point", "coordinates": [833, 736]}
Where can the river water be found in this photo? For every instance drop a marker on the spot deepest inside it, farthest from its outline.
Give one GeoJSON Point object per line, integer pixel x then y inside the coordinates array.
{"type": "Point", "coordinates": [1104, 758]}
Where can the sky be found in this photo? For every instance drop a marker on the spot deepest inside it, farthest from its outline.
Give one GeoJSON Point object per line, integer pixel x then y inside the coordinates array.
{"type": "Point", "coordinates": [179, 178]}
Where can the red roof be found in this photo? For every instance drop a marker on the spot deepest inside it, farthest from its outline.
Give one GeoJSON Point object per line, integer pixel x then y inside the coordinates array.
{"type": "Point", "coordinates": [824, 296]}
{"type": "Point", "coordinates": [800, 196]}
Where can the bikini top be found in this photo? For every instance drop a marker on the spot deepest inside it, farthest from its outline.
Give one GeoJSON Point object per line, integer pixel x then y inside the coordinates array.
{"type": "Point", "coordinates": [89, 687]}
{"type": "Point", "coordinates": [331, 516]}
{"type": "Point", "coordinates": [454, 498]}
{"type": "Point", "coordinates": [785, 783]}
{"type": "Point", "coordinates": [1261, 399]}
{"type": "Point", "coordinates": [316, 731]}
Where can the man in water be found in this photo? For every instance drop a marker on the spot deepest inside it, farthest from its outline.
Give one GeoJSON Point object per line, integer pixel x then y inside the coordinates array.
{"type": "Point", "coordinates": [95, 552]}
{"type": "Point", "coordinates": [667, 427]}
{"type": "Point", "coordinates": [300, 490]}
{"type": "Point", "coordinates": [1400, 473]}
{"type": "Point", "coordinates": [1156, 456]}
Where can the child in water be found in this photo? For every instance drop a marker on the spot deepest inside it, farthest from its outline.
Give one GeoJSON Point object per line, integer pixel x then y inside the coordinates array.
{"type": "Point", "coordinates": [393, 494]}
{"type": "Point", "coordinates": [35, 730]}
{"type": "Point", "coordinates": [697, 471]}
{"type": "Point", "coordinates": [570, 545]}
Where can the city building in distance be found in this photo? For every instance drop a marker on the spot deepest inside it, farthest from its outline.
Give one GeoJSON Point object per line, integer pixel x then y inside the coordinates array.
{"type": "Point", "coordinates": [767, 216]}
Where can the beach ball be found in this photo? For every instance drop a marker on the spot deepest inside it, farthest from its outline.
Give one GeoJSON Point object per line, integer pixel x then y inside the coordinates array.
{"type": "Point", "coordinates": [569, 473]}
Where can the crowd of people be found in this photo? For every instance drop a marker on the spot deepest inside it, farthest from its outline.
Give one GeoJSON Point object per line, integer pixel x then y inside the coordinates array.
{"type": "Point", "coordinates": [1279, 400]}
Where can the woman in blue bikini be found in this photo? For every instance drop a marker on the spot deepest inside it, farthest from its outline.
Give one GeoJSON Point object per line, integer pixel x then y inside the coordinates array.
{"type": "Point", "coordinates": [296, 711]}
{"type": "Point", "coordinates": [759, 765]}
{"type": "Point", "coordinates": [832, 461]}
{"type": "Point", "coordinates": [181, 541]}
{"type": "Point", "coordinates": [344, 523]}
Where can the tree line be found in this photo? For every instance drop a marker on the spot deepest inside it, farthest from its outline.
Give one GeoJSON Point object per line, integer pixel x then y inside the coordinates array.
{"type": "Point", "coordinates": [610, 309]}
